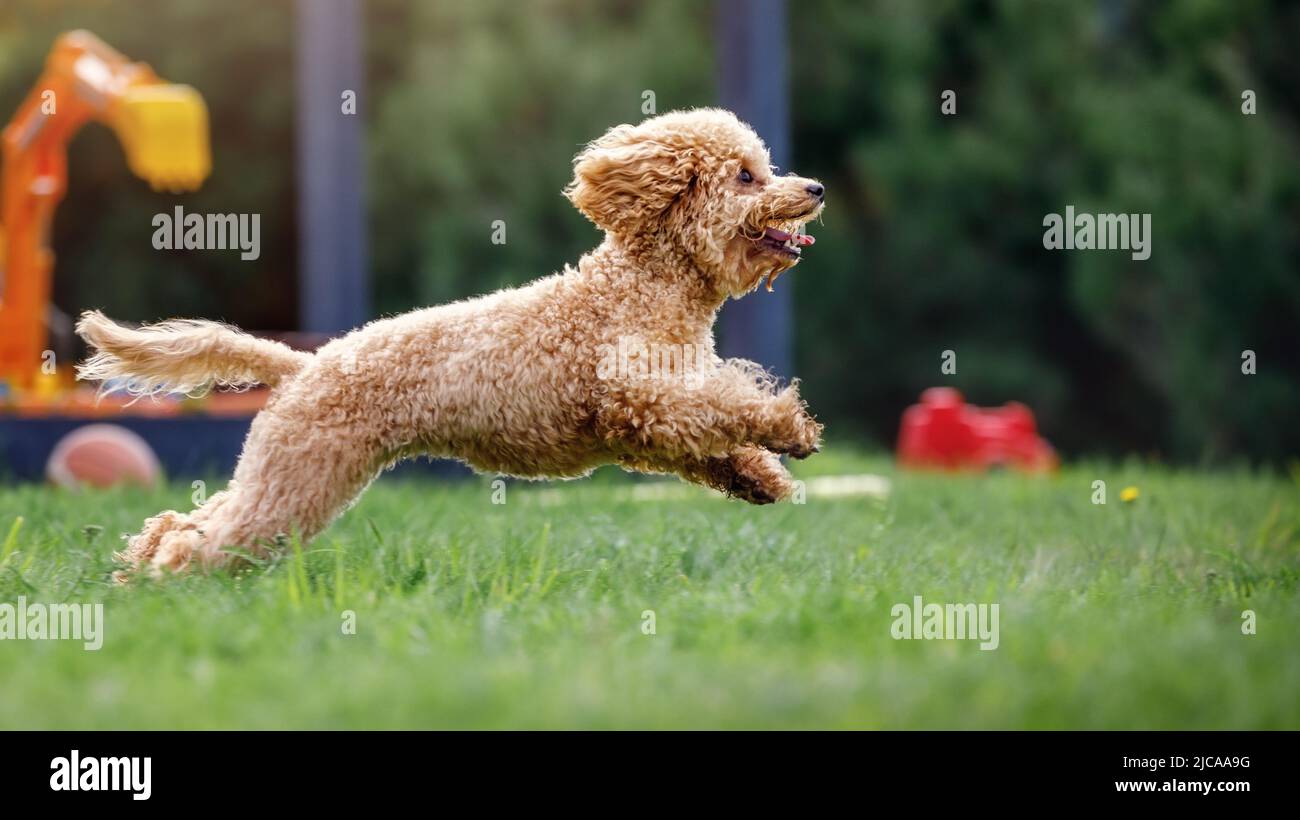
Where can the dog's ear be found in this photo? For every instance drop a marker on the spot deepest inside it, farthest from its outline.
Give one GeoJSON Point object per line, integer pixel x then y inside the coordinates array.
{"type": "Point", "coordinates": [628, 178]}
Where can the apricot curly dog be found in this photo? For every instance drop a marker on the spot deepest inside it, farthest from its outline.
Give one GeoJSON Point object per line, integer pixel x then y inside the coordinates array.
{"type": "Point", "coordinates": [519, 381]}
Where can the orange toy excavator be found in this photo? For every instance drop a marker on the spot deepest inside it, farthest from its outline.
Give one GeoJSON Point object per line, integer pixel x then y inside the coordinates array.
{"type": "Point", "coordinates": [163, 129]}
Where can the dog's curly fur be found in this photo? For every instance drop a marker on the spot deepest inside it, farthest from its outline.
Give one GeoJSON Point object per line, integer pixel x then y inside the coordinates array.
{"type": "Point", "coordinates": [511, 382]}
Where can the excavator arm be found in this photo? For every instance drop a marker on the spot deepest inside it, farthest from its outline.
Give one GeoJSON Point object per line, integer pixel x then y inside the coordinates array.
{"type": "Point", "coordinates": [163, 129]}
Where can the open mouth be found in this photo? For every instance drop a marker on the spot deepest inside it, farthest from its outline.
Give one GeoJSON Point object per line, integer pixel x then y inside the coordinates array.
{"type": "Point", "coordinates": [782, 239]}
{"type": "Point", "coordinates": [786, 243]}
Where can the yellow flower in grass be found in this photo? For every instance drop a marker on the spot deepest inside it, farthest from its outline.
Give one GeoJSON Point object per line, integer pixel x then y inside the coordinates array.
{"type": "Point", "coordinates": [1129, 494]}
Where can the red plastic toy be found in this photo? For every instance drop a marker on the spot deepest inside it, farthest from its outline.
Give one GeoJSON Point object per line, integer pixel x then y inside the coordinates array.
{"type": "Point", "coordinates": [945, 432]}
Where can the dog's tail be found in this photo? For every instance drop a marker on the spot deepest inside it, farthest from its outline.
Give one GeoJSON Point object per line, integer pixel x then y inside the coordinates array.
{"type": "Point", "coordinates": [182, 356]}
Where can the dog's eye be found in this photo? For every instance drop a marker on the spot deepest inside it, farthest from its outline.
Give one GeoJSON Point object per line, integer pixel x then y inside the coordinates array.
{"type": "Point", "coordinates": [746, 177]}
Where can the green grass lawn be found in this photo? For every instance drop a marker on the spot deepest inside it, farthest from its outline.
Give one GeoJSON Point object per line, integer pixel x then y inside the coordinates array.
{"type": "Point", "coordinates": [530, 613]}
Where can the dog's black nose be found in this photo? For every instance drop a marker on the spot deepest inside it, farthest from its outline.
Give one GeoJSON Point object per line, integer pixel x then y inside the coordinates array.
{"type": "Point", "coordinates": [817, 190]}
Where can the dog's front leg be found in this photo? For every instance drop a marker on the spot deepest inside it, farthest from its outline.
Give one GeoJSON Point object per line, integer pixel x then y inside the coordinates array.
{"type": "Point", "coordinates": [749, 473]}
{"type": "Point", "coordinates": [681, 418]}
{"type": "Point", "coordinates": [788, 428]}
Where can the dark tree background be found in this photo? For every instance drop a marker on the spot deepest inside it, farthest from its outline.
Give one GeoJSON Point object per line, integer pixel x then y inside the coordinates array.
{"type": "Point", "coordinates": [932, 240]}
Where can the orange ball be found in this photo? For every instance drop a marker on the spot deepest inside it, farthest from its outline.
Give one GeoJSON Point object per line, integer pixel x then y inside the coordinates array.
{"type": "Point", "coordinates": [102, 455]}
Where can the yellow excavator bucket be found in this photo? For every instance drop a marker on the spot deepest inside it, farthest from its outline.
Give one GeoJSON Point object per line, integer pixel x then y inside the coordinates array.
{"type": "Point", "coordinates": [164, 130]}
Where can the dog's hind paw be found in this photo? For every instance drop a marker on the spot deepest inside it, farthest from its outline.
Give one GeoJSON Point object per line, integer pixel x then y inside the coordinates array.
{"type": "Point", "coordinates": [167, 543]}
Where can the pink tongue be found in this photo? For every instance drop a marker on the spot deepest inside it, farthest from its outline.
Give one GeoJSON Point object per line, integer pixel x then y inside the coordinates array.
{"type": "Point", "coordinates": [782, 236]}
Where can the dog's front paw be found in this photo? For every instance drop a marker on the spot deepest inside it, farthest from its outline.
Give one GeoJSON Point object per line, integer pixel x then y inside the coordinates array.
{"type": "Point", "coordinates": [801, 439]}
{"type": "Point", "coordinates": [753, 475]}
{"type": "Point", "coordinates": [750, 489]}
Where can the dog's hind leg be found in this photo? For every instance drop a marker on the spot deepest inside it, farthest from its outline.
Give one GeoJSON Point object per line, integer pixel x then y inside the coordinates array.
{"type": "Point", "coordinates": [171, 540]}
{"type": "Point", "coordinates": [294, 477]}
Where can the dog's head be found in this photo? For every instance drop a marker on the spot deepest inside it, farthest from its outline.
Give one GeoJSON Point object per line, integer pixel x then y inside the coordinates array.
{"type": "Point", "coordinates": [702, 181]}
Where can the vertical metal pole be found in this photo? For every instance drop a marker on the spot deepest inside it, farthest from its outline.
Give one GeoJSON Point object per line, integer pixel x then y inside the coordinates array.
{"type": "Point", "coordinates": [333, 285]}
{"type": "Point", "coordinates": [753, 82]}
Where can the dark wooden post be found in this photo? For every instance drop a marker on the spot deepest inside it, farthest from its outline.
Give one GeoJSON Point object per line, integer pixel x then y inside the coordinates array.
{"type": "Point", "coordinates": [333, 284]}
{"type": "Point", "coordinates": [753, 82]}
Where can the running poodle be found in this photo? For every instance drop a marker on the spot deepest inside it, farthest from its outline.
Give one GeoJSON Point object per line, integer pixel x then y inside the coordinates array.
{"type": "Point", "coordinates": [609, 362]}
